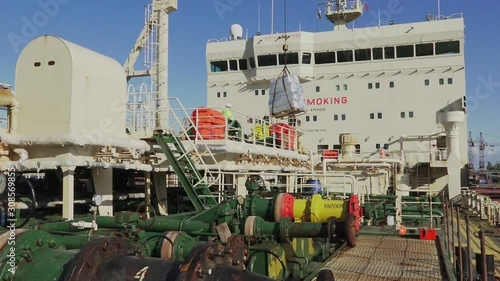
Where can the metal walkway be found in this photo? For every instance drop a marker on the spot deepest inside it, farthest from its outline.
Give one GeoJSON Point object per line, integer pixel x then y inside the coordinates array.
{"type": "Point", "coordinates": [387, 258]}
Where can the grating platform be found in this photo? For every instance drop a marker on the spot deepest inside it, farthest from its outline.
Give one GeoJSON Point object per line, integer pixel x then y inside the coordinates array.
{"type": "Point", "coordinates": [387, 258]}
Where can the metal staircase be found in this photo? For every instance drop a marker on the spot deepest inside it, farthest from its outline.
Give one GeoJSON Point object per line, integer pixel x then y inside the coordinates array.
{"type": "Point", "coordinates": [196, 185]}
{"type": "Point", "coordinates": [423, 175]}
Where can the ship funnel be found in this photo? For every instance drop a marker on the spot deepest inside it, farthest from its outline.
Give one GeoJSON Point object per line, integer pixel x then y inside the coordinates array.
{"type": "Point", "coordinates": [236, 32]}
{"type": "Point", "coordinates": [348, 142]}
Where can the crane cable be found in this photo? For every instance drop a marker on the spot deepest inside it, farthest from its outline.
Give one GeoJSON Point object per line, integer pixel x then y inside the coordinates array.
{"type": "Point", "coordinates": [285, 72]}
{"type": "Point", "coordinates": [285, 45]}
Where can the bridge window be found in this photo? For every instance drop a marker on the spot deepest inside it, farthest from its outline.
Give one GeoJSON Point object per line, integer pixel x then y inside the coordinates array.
{"type": "Point", "coordinates": [378, 53]}
{"type": "Point", "coordinates": [243, 64]}
{"type": "Point", "coordinates": [425, 49]}
{"type": "Point", "coordinates": [441, 81]}
{"type": "Point", "coordinates": [322, 147]}
{"type": "Point", "coordinates": [218, 66]}
{"type": "Point", "coordinates": [405, 51]}
{"type": "Point", "coordinates": [256, 92]}
{"type": "Point", "coordinates": [263, 92]}
{"type": "Point", "coordinates": [363, 54]}
{"type": "Point", "coordinates": [344, 56]}
{"type": "Point", "coordinates": [389, 53]}
{"type": "Point", "coordinates": [233, 65]}
{"type": "Point", "coordinates": [379, 115]}
{"type": "Point", "coordinates": [335, 117]}
{"type": "Point", "coordinates": [391, 84]}
{"type": "Point", "coordinates": [342, 116]}
{"type": "Point", "coordinates": [450, 81]}
{"type": "Point", "coordinates": [372, 115]}
{"type": "Point", "coordinates": [325, 57]}
{"type": "Point", "coordinates": [370, 86]}
{"type": "Point", "coordinates": [306, 58]}
{"type": "Point", "coordinates": [427, 82]}
{"type": "Point", "coordinates": [451, 47]}
{"type": "Point", "coordinates": [318, 89]}
{"type": "Point", "coordinates": [403, 114]}
{"type": "Point", "coordinates": [267, 60]}
{"type": "Point", "coordinates": [377, 85]}
{"type": "Point", "coordinates": [291, 58]}
{"type": "Point", "coordinates": [410, 114]}
{"type": "Point", "coordinates": [315, 118]}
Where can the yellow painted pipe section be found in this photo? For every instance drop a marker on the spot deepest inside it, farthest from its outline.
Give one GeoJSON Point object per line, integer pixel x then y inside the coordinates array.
{"type": "Point", "coordinates": [318, 210]}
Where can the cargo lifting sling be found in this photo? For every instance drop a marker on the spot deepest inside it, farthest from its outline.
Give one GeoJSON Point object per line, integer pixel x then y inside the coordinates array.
{"type": "Point", "coordinates": [282, 77]}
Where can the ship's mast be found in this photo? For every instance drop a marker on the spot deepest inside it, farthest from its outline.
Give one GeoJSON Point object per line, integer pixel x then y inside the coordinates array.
{"type": "Point", "coordinates": [343, 12]}
{"type": "Point", "coordinates": [154, 40]}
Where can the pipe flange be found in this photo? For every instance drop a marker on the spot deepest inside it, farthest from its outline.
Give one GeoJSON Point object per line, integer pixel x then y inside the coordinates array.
{"type": "Point", "coordinates": [236, 252]}
{"type": "Point", "coordinates": [88, 263]}
{"type": "Point", "coordinates": [249, 225]}
{"type": "Point", "coordinates": [332, 229]}
{"type": "Point", "coordinates": [284, 230]}
{"type": "Point", "coordinates": [350, 230]}
{"type": "Point", "coordinates": [167, 245]}
{"type": "Point", "coordinates": [283, 206]}
{"type": "Point", "coordinates": [356, 210]}
{"type": "Point", "coordinates": [325, 275]}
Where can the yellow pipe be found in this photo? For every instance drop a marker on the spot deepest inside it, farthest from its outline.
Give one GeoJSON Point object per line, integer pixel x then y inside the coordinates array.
{"type": "Point", "coordinates": [318, 210]}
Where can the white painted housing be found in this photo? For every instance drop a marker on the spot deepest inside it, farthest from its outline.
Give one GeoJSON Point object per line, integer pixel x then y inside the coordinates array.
{"type": "Point", "coordinates": [65, 88]}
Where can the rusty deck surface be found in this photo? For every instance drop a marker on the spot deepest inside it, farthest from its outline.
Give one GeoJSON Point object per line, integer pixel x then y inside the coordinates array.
{"type": "Point", "coordinates": [387, 258]}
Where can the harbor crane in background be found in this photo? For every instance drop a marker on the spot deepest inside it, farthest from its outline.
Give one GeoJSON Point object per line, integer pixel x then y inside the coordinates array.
{"type": "Point", "coordinates": [482, 147]}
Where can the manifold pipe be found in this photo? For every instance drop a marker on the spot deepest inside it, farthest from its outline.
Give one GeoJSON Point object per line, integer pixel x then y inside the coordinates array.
{"type": "Point", "coordinates": [355, 164]}
{"type": "Point", "coordinates": [7, 99]}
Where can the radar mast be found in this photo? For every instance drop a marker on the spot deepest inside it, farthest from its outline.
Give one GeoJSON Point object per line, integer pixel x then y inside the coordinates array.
{"type": "Point", "coordinates": [342, 12]}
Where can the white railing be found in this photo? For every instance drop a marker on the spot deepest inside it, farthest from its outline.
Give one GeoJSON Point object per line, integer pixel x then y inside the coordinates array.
{"type": "Point", "coordinates": [327, 185]}
{"type": "Point", "coordinates": [452, 16]}
{"type": "Point", "coordinates": [210, 124]}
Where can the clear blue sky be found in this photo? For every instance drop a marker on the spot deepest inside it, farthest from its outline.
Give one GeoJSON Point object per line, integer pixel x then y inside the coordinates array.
{"type": "Point", "coordinates": [111, 27]}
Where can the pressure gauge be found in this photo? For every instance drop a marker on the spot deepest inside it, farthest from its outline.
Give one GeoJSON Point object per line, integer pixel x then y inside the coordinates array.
{"type": "Point", "coordinates": [3, 183]}
{"type": "Point", "coordinates": [96, 200]}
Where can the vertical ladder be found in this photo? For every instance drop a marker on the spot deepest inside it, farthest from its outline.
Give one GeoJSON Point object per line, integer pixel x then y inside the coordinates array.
{"type": "Point", "coordinates": [196, 188]}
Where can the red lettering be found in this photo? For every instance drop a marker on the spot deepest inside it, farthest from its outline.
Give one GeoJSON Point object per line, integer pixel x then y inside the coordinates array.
{"type": "Point", "coordinates": [326, 101]}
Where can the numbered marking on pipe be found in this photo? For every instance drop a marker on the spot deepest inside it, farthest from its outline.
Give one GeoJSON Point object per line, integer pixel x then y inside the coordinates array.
{"type": "Point", "coordinates": [141, 273]}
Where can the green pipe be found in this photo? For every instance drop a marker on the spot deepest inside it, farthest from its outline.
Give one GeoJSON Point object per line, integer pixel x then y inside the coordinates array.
{"type": "Point", "coordinates": [159, 224]}
{"type": "Point", "coordinates": [417, 209]}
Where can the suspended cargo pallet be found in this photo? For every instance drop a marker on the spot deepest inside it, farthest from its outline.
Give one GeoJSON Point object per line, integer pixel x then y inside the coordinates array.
{"type": "Point", "coordinates": [286, 96]}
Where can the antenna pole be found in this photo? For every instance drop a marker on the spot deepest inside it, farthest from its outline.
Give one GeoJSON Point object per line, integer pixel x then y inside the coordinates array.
{"type": "Point", "coordinates": [272, 16]}
{"type": "Point", "coordinates": [258, 16]}
{"type": "Point", "coordinates": [439, 8]}
{"type": "Point", "coordinates": [379, 18]}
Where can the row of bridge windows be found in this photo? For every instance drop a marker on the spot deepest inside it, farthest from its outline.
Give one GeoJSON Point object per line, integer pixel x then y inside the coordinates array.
{"type": "Point", "coordinates": [344, 56]}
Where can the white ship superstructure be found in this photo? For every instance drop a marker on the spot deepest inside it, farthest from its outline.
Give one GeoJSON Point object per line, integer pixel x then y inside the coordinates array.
{"type": "Point", "coordinates": [399, 87]}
